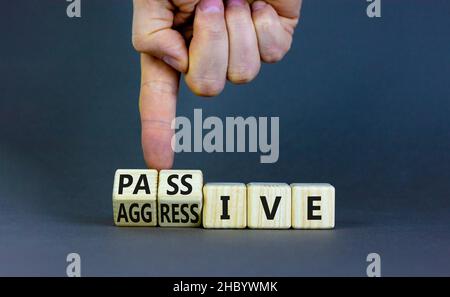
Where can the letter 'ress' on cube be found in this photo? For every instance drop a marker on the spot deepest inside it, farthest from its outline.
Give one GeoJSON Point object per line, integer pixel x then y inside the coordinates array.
{"type": "Point", "coordinates": [180, 198]}
{"type": "Point", "coordinates": [269, 205]}
{"type": "Point", "coordinates": [313, 206]}
{"type": "Point", "coordinates": [134, 197]}
{"type": "Point", "coordinates": [225, 205]}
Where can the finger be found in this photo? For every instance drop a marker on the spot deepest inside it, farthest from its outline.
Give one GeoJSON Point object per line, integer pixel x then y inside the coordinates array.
{"type": "Point", "coordinates": [153, 33]}
{"type": "Point", "coordinates": [274, 40]}
{"type": "Point", "coordinates": [157, 105]}
{"type": "Point", "coordinates": [289, 9]}
{"type": "Point", "coordinates": [184, 12]}
{"type": "Point", "coordinates": [244, 61]}
{"type": "Point", "coordinates": [208, 51]}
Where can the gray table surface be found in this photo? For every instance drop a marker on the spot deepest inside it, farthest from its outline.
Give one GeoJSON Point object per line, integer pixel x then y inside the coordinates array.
{"type": "Point", "coordinates": [363, 103]}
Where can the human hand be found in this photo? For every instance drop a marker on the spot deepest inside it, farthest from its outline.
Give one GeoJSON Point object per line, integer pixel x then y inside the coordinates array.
{"type": "Point", "coordinates": [227, 43]}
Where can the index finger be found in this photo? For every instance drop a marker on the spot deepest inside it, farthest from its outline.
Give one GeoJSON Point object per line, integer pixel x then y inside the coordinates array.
{"type": "Point", "coordinates": [157, 105]}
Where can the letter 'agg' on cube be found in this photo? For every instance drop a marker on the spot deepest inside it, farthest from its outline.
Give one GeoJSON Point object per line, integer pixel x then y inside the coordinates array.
{"type": "Point", "coordinates": [313, 206]}
{"type": "Point", "coordinates": [225, 205]}
{"type": "Point", "coordinates": [134, 197]}
{"type": "Point", "coordinates": [180, 198]}
{"type": "Point", "coordinates": [269, 205]}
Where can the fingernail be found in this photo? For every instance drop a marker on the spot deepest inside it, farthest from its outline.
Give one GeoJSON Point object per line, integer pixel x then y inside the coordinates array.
{"type": "Point", "coordinates": [171, 62]}
{"type": "Point", "coordinates": [236, 2]}
{"type": "Point", "coordinates": [258, 5]}
{"type": "Point", "coordinates": [211, 5]}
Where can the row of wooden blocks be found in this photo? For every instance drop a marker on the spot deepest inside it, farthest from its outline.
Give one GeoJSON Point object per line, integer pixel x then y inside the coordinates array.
{"type": "Point", "coordinates": [178, 198]}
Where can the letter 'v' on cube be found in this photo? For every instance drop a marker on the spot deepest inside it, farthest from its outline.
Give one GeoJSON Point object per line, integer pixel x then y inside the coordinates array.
{"type": "Point", "coordinates": [134, 197]}
{"type": "Point", "coordinates": [269, 205]}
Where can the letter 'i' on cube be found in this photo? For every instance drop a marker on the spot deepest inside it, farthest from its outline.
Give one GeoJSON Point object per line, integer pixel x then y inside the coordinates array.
{"type": "Point", "coordinates": [180, 198]}
{"type": "Point", "coordinates": [313, 206]}
{"type": "Point", "coordinates": [269, 206]}
{"type": "Point", "coordinates": [134, 197]}
{"type": "Point", "coordinates": [225, 205]}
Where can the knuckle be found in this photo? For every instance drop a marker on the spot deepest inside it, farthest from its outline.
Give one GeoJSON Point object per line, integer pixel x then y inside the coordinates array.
{"type": "Point", "coordinates": [138, 43]}
{"type": "Point", "coordinates": [237, 20]}
{"type": "Point", "coordinates": [213, 30]}
{"type": "Point", "coordinates": [241, 74]}
{"type": "Point", "coordinates": [266, 23]}
{"type": "Point", "coordinates": [238, 25]}
{"type": "Point", "coordinates": [159, 87]}
{"type": "Point", "coordinates": [274, 53]}
{"type": "Point", "coordinates": [205, 87]}
{"type": "Point", "coordinates": [156, 125]}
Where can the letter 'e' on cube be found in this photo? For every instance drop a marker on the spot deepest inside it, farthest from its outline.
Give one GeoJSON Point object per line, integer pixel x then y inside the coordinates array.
{"type": "Point", "coordinates": [313, 206]}
{"type": "Point", "coordinates": [225, 205]}
{"type": "Point", "coordinates": [134, 197]}
{"type": "Point", "coordinates": [269, 205]}
{"type": "Point", "coordinates": [180, 198]}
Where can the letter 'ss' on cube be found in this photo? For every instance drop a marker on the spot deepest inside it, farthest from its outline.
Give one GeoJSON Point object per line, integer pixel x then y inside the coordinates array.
{"type": "Point", "coordinates": [180, 198]}
{"type": "Point", "coordinates": [269, 205]}
{"type": "Point", "coordinates": [134, 197]}
{"type": "Point", "coordinates": [225, 205]}
{"type": "Point", "coordinates": [313, 206]}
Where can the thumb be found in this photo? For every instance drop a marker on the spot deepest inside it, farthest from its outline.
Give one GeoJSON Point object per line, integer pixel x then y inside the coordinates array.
{"type": "Point", "coordinates": [153, 33]}
{"type": "Point", "coordinates": [157, 105]}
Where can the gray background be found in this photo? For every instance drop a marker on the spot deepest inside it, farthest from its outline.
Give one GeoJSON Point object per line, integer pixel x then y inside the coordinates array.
{"type": "Point", "coordinates": [363, 104]}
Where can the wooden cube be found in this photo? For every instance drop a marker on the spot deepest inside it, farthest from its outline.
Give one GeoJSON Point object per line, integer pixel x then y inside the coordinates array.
{"type": "Point", "coordinates": [134, 197]}
{"type": "Point", "coordinates": [269, 205]}
{"type": "Point", "coordinates": [180, 198]}
{"type": "Point", "coordinates": [225, 205]}
{"type": "Point", "coordinates": [313, 206]}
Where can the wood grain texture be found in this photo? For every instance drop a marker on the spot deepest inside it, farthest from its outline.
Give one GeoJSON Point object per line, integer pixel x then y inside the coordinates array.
{"type": "Point", "coordinates": [313, 206]}
{"type": "Point", "coordinates": [225, 205]}
{"type": "Point", "coordinates": [264, 212]}
{"type": "Point", "coordinates": [134, 197]}
{"type": "Point", "coordinates": [180, 198]}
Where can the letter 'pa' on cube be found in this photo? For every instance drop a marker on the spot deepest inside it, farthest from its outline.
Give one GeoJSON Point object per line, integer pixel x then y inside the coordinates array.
{"type": "Point", "coordinates": [313, 206]}
{"type": "Point", "coordinates": [134, 197]}
{"type": "Point", "coordinates": [180, 198]}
